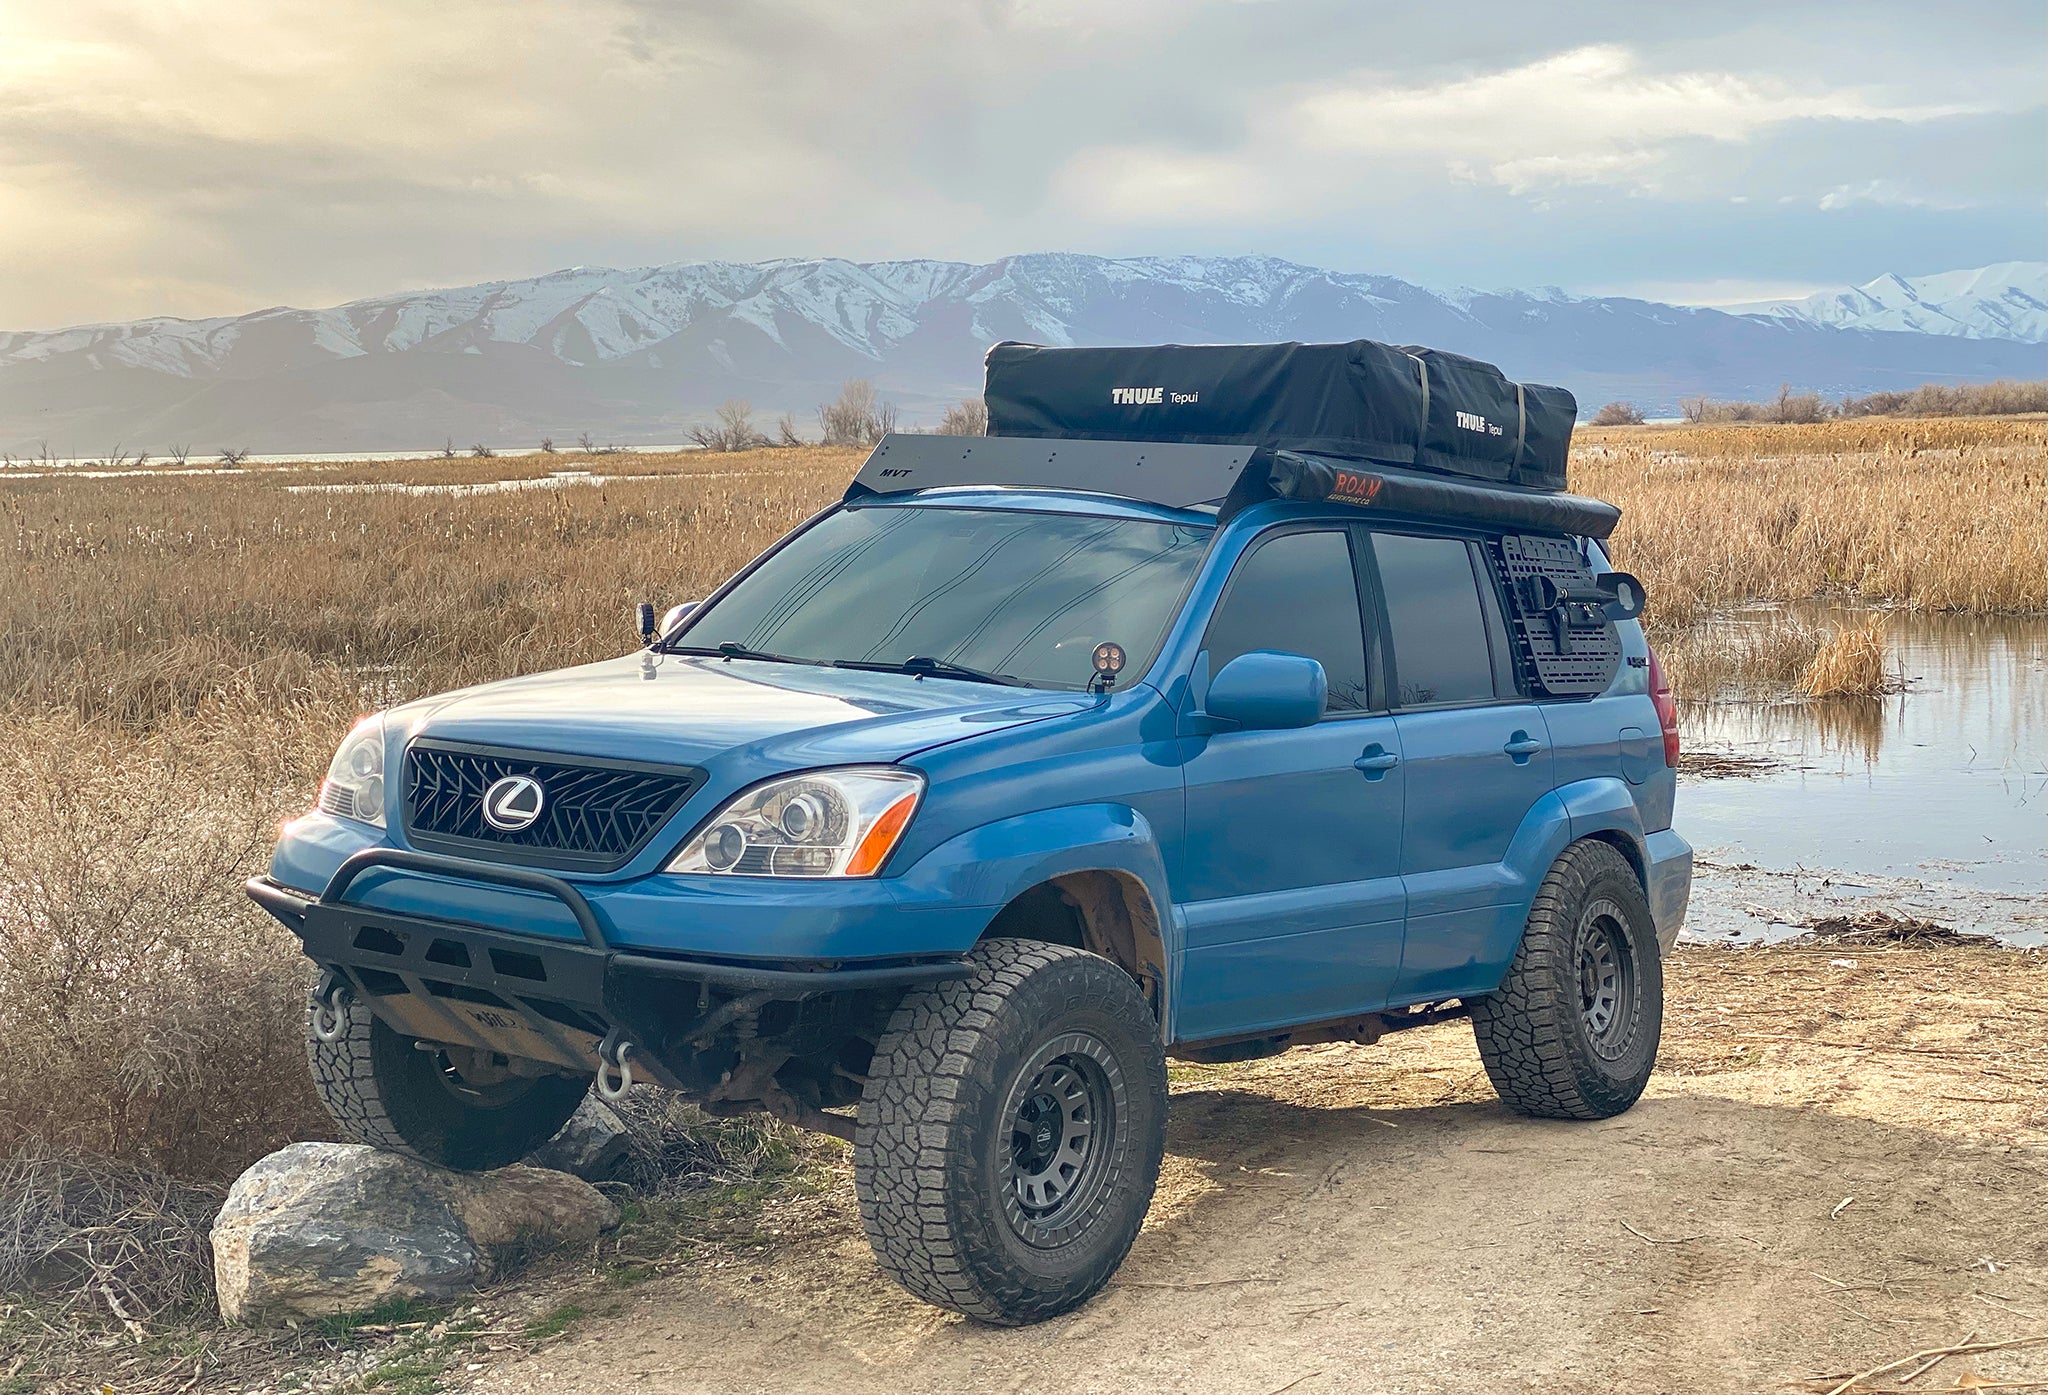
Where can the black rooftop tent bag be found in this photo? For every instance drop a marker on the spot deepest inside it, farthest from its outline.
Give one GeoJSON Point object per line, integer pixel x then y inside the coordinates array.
{"type": "Point", "coordinates": [1358, 401]}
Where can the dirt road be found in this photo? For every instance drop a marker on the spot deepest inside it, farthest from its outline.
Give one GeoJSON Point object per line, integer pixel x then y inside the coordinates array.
{"type": "Point", "coordinates": [1842, 1160]}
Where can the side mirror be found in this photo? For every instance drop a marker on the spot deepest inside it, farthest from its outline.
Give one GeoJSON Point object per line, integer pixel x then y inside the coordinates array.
{"type": "Point", "coordinates": [1268, 691]}
{"type": "Point", "coordinates": [675, 615]}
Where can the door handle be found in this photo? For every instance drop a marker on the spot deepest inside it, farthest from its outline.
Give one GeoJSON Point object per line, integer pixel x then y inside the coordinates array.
{"type": "Point", "coordinates": [1522, 746]}
{"type": "Point", "coordinates": [1376, 761]}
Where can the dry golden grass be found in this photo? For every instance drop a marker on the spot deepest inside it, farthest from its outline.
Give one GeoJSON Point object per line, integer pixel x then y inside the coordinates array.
{"type": "Point", "coordinates": [179, 654]}
{"type": "Point", "coordinates": [1937, 514]}
{"type": "Point", "coordinates": [1851, 664]}
{"type": "Point", "coordinates": [177, 658]}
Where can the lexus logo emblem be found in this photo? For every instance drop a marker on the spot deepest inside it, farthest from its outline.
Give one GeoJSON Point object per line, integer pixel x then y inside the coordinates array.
{"type": "Point", "coordinates": [513, 803]}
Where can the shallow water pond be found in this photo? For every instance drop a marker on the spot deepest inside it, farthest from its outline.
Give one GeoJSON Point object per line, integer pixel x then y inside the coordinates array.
{"type": "Point", "coordinates": [1937, 796]}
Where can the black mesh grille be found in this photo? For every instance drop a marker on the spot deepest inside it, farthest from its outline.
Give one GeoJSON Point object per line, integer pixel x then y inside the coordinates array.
{"type": "Point", "coordinates": [595, 815]}
{"type": "Point", "coordinates": [1586, 660]}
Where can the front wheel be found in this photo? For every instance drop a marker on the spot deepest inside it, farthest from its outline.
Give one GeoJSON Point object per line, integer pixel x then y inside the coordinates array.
{"type": "Point", "coordinates": [1011, 1131]}
{"type": "Point", "coordinates": [1572, 1031]}
{"type": "Point", "coordinates": [395, 1093]}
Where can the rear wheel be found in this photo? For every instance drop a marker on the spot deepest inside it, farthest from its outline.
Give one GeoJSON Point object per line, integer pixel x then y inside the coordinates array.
{"type": "Point", "coordinates": [1572, 1032]}
{"type": "Point", "coordinates": [393, 1092]}
{"type": "Point", "coordinates": [1011, 1131]}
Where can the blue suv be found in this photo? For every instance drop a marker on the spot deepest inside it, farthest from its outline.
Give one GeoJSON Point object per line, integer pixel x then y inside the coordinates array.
{"type": "Point", "coordinates": [1030, 764]}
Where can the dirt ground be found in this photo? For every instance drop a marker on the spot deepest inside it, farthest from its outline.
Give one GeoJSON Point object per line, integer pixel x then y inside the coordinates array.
{"type": "Point", "coordinates": [1842, 1160]}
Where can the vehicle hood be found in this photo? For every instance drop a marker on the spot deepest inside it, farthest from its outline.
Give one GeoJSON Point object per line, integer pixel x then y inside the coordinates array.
{"type": "Point", "coordinates": [690, 710]}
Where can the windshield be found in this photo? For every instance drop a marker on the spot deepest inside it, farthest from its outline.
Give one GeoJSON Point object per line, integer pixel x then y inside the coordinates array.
{"type": "Point", "coordinates": [1011, 595]}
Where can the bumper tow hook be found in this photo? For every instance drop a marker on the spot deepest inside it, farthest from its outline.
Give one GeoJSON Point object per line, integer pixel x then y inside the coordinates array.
{"type": "Point", "coordinates": [330, 1006]}
{"type": "Point", "coordinates": [612, 1057]}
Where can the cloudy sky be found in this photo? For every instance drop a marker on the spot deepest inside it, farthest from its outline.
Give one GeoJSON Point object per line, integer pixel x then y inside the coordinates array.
{"type": "Point", "coordinates": [199, 157]}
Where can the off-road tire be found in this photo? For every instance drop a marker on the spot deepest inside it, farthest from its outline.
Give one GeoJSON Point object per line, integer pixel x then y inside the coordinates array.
{"type": "Point", "coordinates": [383, 1090]}
{"type": "Point", "coordinates": [939, 1151]}
{"type": "Point", "coordinates": [1541, 1039]}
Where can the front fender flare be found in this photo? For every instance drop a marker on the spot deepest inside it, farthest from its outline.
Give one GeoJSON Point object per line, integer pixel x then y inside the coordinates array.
{"type": "Point", "coordinates": [992, 864]}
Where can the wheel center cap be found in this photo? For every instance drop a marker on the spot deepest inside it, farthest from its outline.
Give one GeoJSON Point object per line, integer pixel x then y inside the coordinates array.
{"type": "Point", "coordinates": [1042, 1136]}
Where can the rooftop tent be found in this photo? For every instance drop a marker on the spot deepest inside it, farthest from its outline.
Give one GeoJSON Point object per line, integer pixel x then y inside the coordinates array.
{"type": "Point", "coordinates": [1364, 401]}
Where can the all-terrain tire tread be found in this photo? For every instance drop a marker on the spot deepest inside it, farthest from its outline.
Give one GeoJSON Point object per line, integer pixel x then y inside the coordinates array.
{"type": "Point", "coordinates": [1527, 1030]}
{"type": "Point", "coordinates": [345, 1078]}
{"type": "Point", "coordinates": [916, 1138]}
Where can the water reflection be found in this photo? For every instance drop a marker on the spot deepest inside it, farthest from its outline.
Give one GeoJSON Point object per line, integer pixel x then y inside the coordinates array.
{"type": "Point", "coordinates": [1946, 781]}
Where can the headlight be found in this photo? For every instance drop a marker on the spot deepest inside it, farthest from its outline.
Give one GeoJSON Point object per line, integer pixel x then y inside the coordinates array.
{"type": "Point", "coordinates": [827, 823]}
{"type": "Point", "coordinates": [354, 787]}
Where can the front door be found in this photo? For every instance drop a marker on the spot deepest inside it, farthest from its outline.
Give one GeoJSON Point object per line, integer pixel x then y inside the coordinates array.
{"type": "Point", "coordinates": [1477, 757]}
{"type": "Point", "coordinates": [1290, 888]}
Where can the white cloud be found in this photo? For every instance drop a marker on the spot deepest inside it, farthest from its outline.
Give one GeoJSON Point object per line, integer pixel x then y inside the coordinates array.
{"type": "Point", "coordinates": [1888, 193]}
{"type": "Point", "coordinates": [1592, 116]}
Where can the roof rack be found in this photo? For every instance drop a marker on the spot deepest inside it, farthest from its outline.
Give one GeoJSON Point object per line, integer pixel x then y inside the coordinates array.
{"type": "Point", "coordinates": [1232, 477]}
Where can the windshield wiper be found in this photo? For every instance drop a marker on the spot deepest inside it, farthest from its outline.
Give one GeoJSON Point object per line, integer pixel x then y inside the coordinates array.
{"type": "Point", "coordinates": [730, 649]}
{"type": "Point", "coordinates": [924, 665]}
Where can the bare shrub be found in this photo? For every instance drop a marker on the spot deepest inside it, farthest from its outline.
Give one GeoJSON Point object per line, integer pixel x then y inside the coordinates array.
{"type": "Point", "coordinates": [180, 454]}
{"type": "Point", "coordinates": [106, 1235]}
{"type": "Point", "coordinates": [732, 429]}
{"type": "Point", "coordinates": [1694, 408]}
{"type": "Point", "coordinates": [786, 436]}
{"type": "Point", "coordinates": [547, 445]}
{"type": "Point", "coordinates": [2006, 397]}
{"type": "Point", "coordinates": [481, 451]}
{"type": "Point", "coordinates": [858, 418]}
{"type": "Point", "coordinates": [1619, 414]}
{"type": "Point", "coordinates": [234, 457]}
{"type": "Point", "coordinates": [448, 449]}
{"type": "Point", "coordinates": [967, 417]}
{"type": "Point", "coordinates": [148, 1012]}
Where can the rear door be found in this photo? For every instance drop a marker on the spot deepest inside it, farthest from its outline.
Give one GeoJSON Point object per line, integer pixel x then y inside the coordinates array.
{"type": "Point", "coordinates": [1290, 890]}
{"type": "Point", "coordinates": [1476, 755]}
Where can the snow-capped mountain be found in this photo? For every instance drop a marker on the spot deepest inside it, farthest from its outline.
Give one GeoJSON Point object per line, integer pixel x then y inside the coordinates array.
{"type": "Point", "coordinates": [2005, 301]}
{"type": "Point", "coordinates": [637, 355]}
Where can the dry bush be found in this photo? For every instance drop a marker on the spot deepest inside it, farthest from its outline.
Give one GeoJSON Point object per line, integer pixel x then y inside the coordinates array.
{"type": "Point", "coordinates": [2005, 397]}
{"type": "Point", "coordinates": [1619, 414]}
{"type": "Point", "coordinates": [148, 1012]}
{"type": "Point", "coordinates": [968, 417]}
{"type": "Point", "coordinates": [1851, 664]}
{"type": "Point", "coordinates": [124, 1240]}
{"type": "Point", "coordinates": [858, 418]}
{"type": "Point", "coordinates": [733, 429]}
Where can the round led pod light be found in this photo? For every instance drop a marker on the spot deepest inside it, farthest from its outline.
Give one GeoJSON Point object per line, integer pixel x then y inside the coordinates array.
{"type": "Point", "coordinates": [822, 823]}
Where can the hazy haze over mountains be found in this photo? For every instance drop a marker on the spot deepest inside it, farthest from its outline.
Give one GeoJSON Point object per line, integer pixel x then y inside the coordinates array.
{"type": "Point", "coordinates": [638, 355]}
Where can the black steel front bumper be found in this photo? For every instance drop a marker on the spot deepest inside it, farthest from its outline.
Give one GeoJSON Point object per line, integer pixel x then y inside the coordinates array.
{"type": "Point", "coordinates": [451, 981]}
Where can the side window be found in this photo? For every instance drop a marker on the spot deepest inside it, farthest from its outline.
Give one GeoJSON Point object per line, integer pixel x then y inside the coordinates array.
{"type": "Point", "coordinates": [1439, 630]}
{"type": "Point", "coordinates": [1297, 593]}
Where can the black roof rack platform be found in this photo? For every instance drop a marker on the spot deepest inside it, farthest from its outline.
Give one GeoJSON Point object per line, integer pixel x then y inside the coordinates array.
{"type": "Point", "coordinates": [1232, 477]}
{"type": "Point", "coordinates": [1178, 476]}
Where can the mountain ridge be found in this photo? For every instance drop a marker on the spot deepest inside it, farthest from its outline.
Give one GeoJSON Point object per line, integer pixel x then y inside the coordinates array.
{"type": "Point", "coordinates": [2006, 300]}
{"type": "Point", "coordinates": [639, 354]}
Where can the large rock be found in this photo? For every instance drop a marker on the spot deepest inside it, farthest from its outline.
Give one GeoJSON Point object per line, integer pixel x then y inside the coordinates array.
{"type": "Point", "coordinates": [592, 1145]}
{"type": "Point", "coordinates": [323, 1228]}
